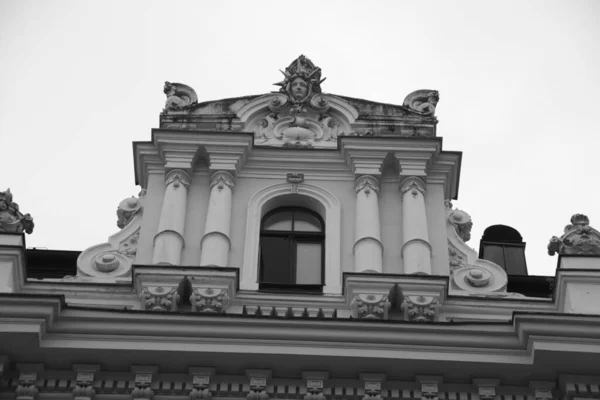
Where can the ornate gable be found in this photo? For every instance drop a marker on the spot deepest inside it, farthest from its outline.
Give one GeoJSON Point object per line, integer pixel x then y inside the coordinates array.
{"type": "Point", "coordinates": [300, 114]}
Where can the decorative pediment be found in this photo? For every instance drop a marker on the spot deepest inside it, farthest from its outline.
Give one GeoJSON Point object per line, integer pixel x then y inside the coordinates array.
{"type": "Point", "coordinates": [299, 115]}
{"type": "Point", "coordinates": [578, 238]}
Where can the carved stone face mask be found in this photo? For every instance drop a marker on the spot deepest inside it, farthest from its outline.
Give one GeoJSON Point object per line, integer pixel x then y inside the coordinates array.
{"type": "Point", "coordinates": [299, 88]}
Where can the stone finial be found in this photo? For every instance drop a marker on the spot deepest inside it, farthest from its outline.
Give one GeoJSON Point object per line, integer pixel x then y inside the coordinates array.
{"type": "Point", "coordinates": [11, 219]}
{"type": "Point", "coordinates": [578, 238]}
{"type": "Point", "coordinates": [126, 210]}
{"type": "Point", "coordinates": [179, 96]}
{"type": "Point", "coordinates": [423, 101]}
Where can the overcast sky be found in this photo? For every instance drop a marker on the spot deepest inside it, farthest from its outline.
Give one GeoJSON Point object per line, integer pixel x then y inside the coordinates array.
{"type": "Point", "coordinates": [519, 85]}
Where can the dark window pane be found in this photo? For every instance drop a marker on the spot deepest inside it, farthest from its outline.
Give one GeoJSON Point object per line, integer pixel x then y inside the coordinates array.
{"type": "Point", "coordinates": [515, 260]}
{"type": "Point", "coordinates": [308, 263]}
{"type": "Point", "coordinates": [275, 260]}
{"type": "Point", "coordinates": [494, 254]}
{"type": "Point", "coordinates": [280, 221]}
{"type": "Point", "coordinates": [305, 222]}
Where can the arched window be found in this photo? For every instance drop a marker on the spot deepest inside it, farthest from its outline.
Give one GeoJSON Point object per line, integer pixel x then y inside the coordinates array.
{"type": "Point", "coordinates": [292, 250]}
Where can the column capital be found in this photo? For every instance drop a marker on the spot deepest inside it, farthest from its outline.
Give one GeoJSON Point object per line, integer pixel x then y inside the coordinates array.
{"type": "Point", "coordinates": [222, 178]}
{"type": "Point", "coordinates": [413, 163]}
{"type": "Point", "coordinates": [413, 184]}
{"type": "Point", "coordinates": [177, 177]}
{"type": "Point", "coordinates": [367, 183]}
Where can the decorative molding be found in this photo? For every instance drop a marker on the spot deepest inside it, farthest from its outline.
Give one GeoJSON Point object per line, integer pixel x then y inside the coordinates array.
{"type": "Point", "coordinates": [83, 382]}
{"type": "Point", "coordinates": [370, 306]}
{"type": "Point", "coordinates": [423, 101]}
{"type": "Point", "coordinates": [177, 177]}
{"type": "Point", "coordinates": [179, 97]}
{"type": "Point", "coordinates": [200, 383]}
{"type": "Point", "coordinates": [126, 210]}
{"type": "Point", "coordinates": [314, 385]}
{"type": "Point", "coordinates": [295, 178]}
{"type": "Point", "coordinates": [222, 179]}
{"type": "Point", "coordinates": [420, 308]}
{"type": "Point", "coordinates": [210, 300]}
{"type": "Point", "coordinates": [142, 389]}
{"type": "Point", "coordinates": [128, 247]}
{"type": "Point", "coordinates": [413, 184]}
{"type": "Point", "coordinates": [159, 298]}
{"type": "Point", "coordinates": [11, 219]}
{"type": "Point", "coordinates": [372, 386]}
{"type": "Point", "coordinates": [366, 183]}
{"type": "Point", "coordinates": [578, 238]}
{"type": "Point", "coordinates": [258, 384]}
{"type": "Point", "coordinates": [486, 388]}
{"type": "Point", "coordinates": [27, 388]}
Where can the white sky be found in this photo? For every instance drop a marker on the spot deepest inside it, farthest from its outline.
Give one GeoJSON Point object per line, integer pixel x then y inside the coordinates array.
{"type": "Point", "coordinates": [519, 83]}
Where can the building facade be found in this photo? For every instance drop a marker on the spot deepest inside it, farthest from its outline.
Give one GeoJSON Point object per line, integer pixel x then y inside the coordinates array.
{"type": "Point", "coordinates": [296, 245]}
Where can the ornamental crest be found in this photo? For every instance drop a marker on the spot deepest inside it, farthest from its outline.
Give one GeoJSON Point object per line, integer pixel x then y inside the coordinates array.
{"type": "Point", "coordinates": [11, 219]}
{"type": "Point", "coordinates": [299, 114]}
{"type": "Point", "coordinates": [578, 238]}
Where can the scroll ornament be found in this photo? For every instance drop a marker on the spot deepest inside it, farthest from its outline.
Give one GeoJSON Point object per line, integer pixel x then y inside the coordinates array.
{"type": "Point", "coordinates": [422, 101]}
{"type": "Point", "coordinates": [578, 238]}
{"type": "Point", "coordinates": [179, 97]}
{"type": "Point", "coordinates": [11, 219]}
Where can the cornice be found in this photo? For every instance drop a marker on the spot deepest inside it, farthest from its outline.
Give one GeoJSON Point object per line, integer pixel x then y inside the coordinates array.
{"type": "Point", "coordinates": [62, 326]}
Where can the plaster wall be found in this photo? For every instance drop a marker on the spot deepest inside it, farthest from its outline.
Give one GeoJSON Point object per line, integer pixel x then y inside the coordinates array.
{"type": "Point", "coordinates": [436, 222]}
{"type": "Point", "coordinates": [390, 209]}
{"type": "Point", "coordinates": [152, 204]}
{"type": "Point", "coordinates": [197, 206]}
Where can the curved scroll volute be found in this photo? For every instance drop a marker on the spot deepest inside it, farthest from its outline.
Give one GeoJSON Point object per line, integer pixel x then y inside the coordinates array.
{"type": "Point", "coordinates": [179, 96]}
{"type": "Point", "coordinates": [423, 101]}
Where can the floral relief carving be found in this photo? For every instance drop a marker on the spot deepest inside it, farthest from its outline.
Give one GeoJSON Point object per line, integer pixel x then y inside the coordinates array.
{"type": "Point", "coordinates": [367, 183]}
{"type": "Point", "coordinates": [159, 298]}
{"type": "Point", "coordinates": [420, 308]}
{"type": "Point", "coordinates": [177, 177]}
{"type": "Point", "coordinates": [126, 210]}
{"type": "Point", "coordinates": [128, 247]}
{"type": "Point", "coordinates": [210, 300]}
{"type": "Point", "coordinates": [456, 257]}
{"type": "Point", "coordinates": [578, 238]}
{"type": "Point", "coordinates": [370, 306]}
{"type": "Point", "coordinates": [414, 185]}
{"type": "Point", "coordinates": [11, 219]}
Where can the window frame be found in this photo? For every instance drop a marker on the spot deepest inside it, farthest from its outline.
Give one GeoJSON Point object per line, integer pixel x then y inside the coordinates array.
{"type": "Point", "coordinates": [294, 237]}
